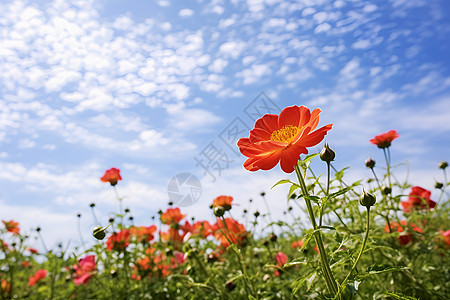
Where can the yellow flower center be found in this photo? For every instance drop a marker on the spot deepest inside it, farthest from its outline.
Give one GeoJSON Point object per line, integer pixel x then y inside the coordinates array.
{"type": "Point", "coordinates": [285, 134]}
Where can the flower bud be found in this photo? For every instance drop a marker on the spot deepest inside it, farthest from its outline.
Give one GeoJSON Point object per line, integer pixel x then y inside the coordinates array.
{"type": "Point", "coordinates": [438, 185]}
{"type": "Point", "coordinates": [99, 233]}
{"type": "Point", "coordinates": [256, 214]}
{"type": "Point", "coordinates": [327, 154]}
{"type": "Point", "coordinates": [273, 237]}
{"type": "Point", "coordinates": [219, 211]}
{"type": "Point", "coordinates": [443, 165]}
{"type": "Point", "coordinates": [386, 190]}
{"type": "Point", "coordinates": [370, 163]}
{"type": "Point", "coordinates": [367, 199]}
{"type": "Point", "coordinates": [230, 285]}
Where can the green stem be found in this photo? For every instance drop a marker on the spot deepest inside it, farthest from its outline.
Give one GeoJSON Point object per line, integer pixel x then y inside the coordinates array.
{"type": "Point", "coordinates": [362, 248]}
{"type": "Point", "coordinates": [326, 194]}
{"type": "Point", "coordinates": [331, 282]}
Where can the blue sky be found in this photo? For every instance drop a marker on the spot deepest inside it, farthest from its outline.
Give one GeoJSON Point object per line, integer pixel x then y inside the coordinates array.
{"type": "Point", "coordinates": [151, 87]}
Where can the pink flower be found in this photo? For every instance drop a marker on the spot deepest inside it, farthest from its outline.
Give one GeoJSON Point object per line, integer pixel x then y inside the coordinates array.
{"type": "Point", "coordinates": [40, 274]}
{"type": "Point", "coordinates": [281, 258]}
{"type": "Point", "coordinates": [84, 270]}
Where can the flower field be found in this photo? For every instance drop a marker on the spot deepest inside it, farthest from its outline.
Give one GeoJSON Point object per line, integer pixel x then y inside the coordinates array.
{"type": "Point", "coordinates": [377, 238]}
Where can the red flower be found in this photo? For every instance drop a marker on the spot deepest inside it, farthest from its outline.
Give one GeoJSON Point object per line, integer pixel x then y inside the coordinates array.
{"type": "Point", "coordinates": [12, 226]}
{"type": "Point", "coordinates": [143, 234]}
{"type": "Point", "coordinates": [405, 236]}
{"type": "Point", "coordinates": [223, 201]}
{"type": "Point", "coordinates": [419, 198]}
{"type": "Point", "coordinates": [172, 216]}
{"type": "Point", "coordinates": [281, 258]}
{"type": "Point", "coordinates": [172, 235]}
{"type": "Point", "coordinates": [384, 140]}
{"type": "Point", "coordinates": [33, 250]}
{"type": "Point", "coordinates": [40, 274]}
{"type": "Point", "coordinates": [112, 176]}
{"type": "Point", "coordinates": [233, 232]}
{"type": "Point", "coordinates": [446, 237]}
{"type": "Point", "coordinates": [84, 270]}
{"type": "Point", "coordinates": [282, 138]}
{"type": "Point", "coordinates": [118, 241]}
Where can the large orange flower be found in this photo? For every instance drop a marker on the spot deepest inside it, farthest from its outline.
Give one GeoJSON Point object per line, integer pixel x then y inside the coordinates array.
{"type": "Point", "coordinates": [282, 138]}
{"type": "Point", "coordinates": [112, 176]}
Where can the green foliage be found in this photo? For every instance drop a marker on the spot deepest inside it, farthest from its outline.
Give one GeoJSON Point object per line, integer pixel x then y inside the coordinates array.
{"type": "Point", "coordinates": [404, 256]}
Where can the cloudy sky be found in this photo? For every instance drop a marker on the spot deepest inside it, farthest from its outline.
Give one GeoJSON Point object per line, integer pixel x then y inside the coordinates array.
{"type": "Point", "coordinates": [162, 88]}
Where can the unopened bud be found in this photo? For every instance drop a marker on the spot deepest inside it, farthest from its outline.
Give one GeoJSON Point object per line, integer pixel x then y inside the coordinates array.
{"type": "Point", "coordinates": [370, 163]}
{"type": "Point", "coordinates": [367, 199]}
{"type": "Point", "coordinates": [273, 237]}
{"type": "Point", "coordinates": [386, 190]}
{"type": "Point", "coordinates": [443, 165]}
{"type": "Point", "coordinates": [327, 154]}
{"type": "Point", "coordinates": [219, 211]}
{"type": "Point", "coordinates": [230, 285]}
{"type": "Point", "coordinates": [438, 185]}
{"type": "Point", "coordinates": [99, 233]}
{"type": "Point", "coordinates": [256, 214]}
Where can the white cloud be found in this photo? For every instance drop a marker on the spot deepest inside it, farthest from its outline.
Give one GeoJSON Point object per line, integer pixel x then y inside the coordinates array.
{"type": "Point", "coordinates": [324, 27]}
{"type": "Point", "coordinates": [232, 49]}
{"type": "Point", "coordinates": [186, 12]}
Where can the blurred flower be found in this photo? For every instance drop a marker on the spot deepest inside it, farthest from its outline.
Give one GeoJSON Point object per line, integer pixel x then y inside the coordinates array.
{"type": "Point", "coordinates": [282, 138]}
{"type": "Point", "coordinates": [403, 228]}
{"type": "Point", "coordinates": [297, 244]}
{"type": "Point", "coordinates": [172, 235]}
{"type": "Point", "coordinates": [200, 228]}
{"type": "Point", "coordinates": [5, 286]}
{"type": "Point", "coordinates": [143, 234]}
{"type": "Point", "coordinates": [33, 250]}
{"type": "Point", "coordinates": [419, 198]}
{"type": "Point", "coordinates": [281, 258]}
{"type": "Point", "coordinates": [118, 241]}
{"type": "Point", "coordinates": [12, 226]}
{"type": "Point", "coordinates": [233, 232]}
{"type": "Point", "coordinates": [446, 237]}
{"type": "Point", "coordinates": [172, 216]}
{"type": "Point", "coordinates": [40, 274]}
{"type": "Point", "coordinates": [85, 269]}
{"type": "Point", "coordinates": [223, 201]}
{"type": "Point", "coordinates": [112, 176]}
{"type": "Point", "coordinates": [384, 140]}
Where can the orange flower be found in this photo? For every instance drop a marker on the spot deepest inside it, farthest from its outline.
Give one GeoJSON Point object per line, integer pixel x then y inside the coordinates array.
{"type": "Point", "coordinates": [172, 216]}
{"type": "Point", "coordinates": [223, 201]}
{"type": "Point", "coordinates": [199, 228]}
{"type": "Point", "coordinates": [233, 232]}
{"type": "Point", "coordinates": [419, 198]}
{"type": "Point", "coordinates": [40, 274]}
{"type": "Point", "coordinates": [112, 176]}
{"type": "Point", "coordinates": [143, 234]}
{"type": "Point", "coordinates": [12, 226]}
{"type": "Point", "coordinates": [5, 286]}
{"type": "Point", "coordinates": [282, 138]}
{"type": "Point", "coordinates": [297, 244]}
{"type": "Point", "coordinates": [118, 241]}
{"type": "Point", "coordinates": [384, 140]}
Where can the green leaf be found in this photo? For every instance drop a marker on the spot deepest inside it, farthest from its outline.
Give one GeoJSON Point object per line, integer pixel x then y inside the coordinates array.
{"type": "Point", "coordinates": [340, 173]}
{"type": "Point", "coordinates": [281, 182]}
{"type": "Point", "coordinates": [399, 296]}
{"type": "Point", "coordinates": [312, 198]}
{"type": "Point", "coordinates": [292, 189]}
{"type": "Point", "coordinates": [299, 282]}
{"type": "Point", "coordinates": [326, 227]}
{"type": "Point", "coordinates": [378, 269]}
